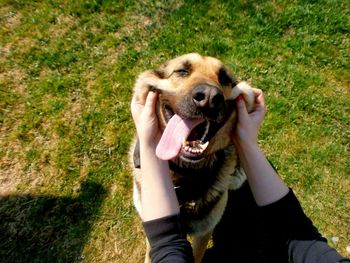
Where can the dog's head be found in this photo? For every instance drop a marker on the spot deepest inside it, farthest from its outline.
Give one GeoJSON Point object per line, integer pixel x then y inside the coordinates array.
{"type": "Point", "coordinates": [196, 108]}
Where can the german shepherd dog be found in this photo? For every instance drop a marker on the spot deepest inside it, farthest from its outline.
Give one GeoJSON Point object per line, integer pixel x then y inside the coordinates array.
{"type": "Point", "coordinates": [196, 112]}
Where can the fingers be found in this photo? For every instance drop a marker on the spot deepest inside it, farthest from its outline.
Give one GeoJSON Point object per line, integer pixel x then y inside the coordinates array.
{"type": "Point", "coordinates": [259, 107]}
{"type": "Point", "coordinates": [133, 104]}
{"type": "Point", "coordinates": [259, 96]}
{"type": "Point", "coordinates": [138, 101]}
{"type": "Point", "coordinates": [151, 102]}
{"type": "Point", "coordinates": [257, 92]}
{"type": "Point", "coordinates": [148, 108]}
{"type": "Point", "coordinates": [241, 109]}
{"type": "Point", "coordinates": [260, 101]}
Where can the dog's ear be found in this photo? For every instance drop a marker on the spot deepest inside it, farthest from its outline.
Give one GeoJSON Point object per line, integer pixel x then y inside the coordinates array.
{"type": "Point", "coordinates": [226, 78]}
{"type": "Point", "coordinates": [136, 155]}
{"type": "Point", "coordinates": [144, 81]}
{"type": "Point", "coordinates": [243, 88]}
{"type": "Point", "coordinates": [160, 73]}
{"type": "Point", "coordinates": [156, 79]}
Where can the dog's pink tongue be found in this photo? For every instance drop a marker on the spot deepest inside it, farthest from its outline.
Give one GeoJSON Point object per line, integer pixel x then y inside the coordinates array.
{"type": "Point", "coordinates": [171, 141]}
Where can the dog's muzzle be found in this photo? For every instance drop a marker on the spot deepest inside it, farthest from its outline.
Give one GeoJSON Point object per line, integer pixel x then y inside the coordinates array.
{"type": "Point", "coordinates": [207, 97]}
{"type": "Point", "coordinates": [209, 101]}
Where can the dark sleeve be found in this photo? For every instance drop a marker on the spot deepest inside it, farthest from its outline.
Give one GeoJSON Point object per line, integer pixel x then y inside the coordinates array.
{"type": "Point", "coordinates": [167, 240]}
{"type": "Point", "coordinates": [286, 219]}
{"type": "Point", "coordinates": [312, 251]}
{"type": "Point", "coordinates": [288, 223]}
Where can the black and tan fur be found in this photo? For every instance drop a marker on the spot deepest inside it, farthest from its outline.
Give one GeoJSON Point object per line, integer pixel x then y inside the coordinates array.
{"type": "Point", "coordinates": [201, 184]}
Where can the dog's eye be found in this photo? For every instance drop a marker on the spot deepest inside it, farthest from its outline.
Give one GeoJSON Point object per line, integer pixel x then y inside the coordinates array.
{"type": "Point", "coordinates": [182, 72]}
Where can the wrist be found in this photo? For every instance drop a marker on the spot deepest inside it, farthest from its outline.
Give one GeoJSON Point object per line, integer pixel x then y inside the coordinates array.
{"type": "Point", "coordinates": [150, 161]}
{"type": "Point", "coordinates": [246, 150]}
{"type": "Point", "coordinates": [148, 142]}
{"type": "Point", "coordinates": [243, 145]}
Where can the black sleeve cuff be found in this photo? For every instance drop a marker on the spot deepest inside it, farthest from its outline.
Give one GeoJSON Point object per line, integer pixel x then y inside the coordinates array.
{"type": "Point", "coordinates": [168, 241]}
{"type": "Point", "coordinates": [287, 219]}
{"type": "Point", "coordinates": [163, 229]}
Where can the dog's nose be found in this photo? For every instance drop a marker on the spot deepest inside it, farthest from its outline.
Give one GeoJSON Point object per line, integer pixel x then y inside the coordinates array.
{"type": "Point", "coordinates": [206, 96]}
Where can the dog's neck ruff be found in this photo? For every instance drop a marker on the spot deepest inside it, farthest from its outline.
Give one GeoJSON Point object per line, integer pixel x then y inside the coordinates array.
{"type": "Point", "coordinates": [191, 184]}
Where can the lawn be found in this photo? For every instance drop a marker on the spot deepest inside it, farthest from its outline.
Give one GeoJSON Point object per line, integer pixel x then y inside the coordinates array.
{"type": "Point", "coordinates": [66, 74]}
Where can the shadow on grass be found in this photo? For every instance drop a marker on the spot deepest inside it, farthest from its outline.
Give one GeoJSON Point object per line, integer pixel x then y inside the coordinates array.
{"type": "Point", "coordinates": [47, 228]}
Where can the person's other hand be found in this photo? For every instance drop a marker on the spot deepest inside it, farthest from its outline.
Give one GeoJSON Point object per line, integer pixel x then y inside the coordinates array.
{"type": "Point", "coordinates": [145, 118]}
{"type": "Point", "coordinates": [248, 124]}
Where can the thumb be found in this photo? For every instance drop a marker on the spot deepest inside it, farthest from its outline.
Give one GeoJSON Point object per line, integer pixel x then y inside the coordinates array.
{"type": "Point", "coordinates": [241, 109]}
{"type": "Point", "coordinates": [151, 101]}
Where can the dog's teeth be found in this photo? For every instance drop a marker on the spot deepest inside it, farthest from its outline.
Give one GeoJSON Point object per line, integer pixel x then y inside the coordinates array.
{"type": "Point", "coordinates": [206, 130]}
{"type": "Point", "coordinates": [204, 146]}
{"type": "Point", "coordinates": [194, 147]}
{"type": "Point", "coordinates": [185, 143]}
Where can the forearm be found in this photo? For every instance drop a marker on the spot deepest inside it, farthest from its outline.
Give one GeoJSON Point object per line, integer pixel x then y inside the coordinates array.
{"type": "Point", "coordinates": [156, 187]}
{"type": "Point", "coordinates": [266, 185]}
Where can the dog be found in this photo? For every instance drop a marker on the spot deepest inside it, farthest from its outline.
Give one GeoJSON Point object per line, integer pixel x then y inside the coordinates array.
{"type": "Point", "coordinates": [196, 112]}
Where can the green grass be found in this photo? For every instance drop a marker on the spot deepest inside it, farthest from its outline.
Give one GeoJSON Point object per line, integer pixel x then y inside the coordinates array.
{"type": "Point", "coordinates": [66, 74]}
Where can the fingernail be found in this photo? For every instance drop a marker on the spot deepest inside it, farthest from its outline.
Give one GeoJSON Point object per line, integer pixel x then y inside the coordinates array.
{"type": "Point", "coordinates": [152, 88]}
{"type": "Point", "coordinates": [239, 98]}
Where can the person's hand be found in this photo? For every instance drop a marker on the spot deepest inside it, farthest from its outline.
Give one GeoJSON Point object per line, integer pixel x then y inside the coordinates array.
{"type": "Point", "coordinates": [145, 119]}
{"type": "Point", "coordinates": [248, 124]}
